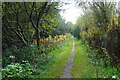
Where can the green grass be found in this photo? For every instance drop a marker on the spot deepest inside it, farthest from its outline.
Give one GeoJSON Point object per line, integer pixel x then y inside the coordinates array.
{"type": "Point", "coordinates": [81, 66]}
{"type": "Point", "coordinates": [57, 63]}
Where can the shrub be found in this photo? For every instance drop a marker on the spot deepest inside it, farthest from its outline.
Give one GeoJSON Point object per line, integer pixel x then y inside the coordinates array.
{"type": "Point", "coordinates": [19, 53]}
{"type": "Point", "coordinates": [17, 70]}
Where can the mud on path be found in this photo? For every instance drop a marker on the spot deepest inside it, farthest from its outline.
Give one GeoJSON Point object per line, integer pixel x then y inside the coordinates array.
{"type": "Point", "coordinates": [69, 63]}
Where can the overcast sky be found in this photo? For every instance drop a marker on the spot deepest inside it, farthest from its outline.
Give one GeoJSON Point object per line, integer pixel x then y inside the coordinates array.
{"type": "Point", "coordinates": [72, 12]}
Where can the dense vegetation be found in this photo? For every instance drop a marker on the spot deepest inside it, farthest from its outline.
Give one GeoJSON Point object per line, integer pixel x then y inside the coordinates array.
{"type": "Point", "coordinates": [100, 29]}
{"type": "Point", "coordinates": [30, 32]}
{"type": "Point", "coordinates": [36, 40]}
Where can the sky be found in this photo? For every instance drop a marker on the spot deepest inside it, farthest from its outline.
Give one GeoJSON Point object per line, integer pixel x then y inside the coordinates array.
{"type": "Point", "coordinates": [72, 12]}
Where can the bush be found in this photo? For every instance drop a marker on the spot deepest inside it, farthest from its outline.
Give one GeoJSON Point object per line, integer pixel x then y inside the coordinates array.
{"type": "Point", "coordinates": [17, 70]}
{"type": "Point", "coordinates": [19, 53]}
{"type": "Point", "coordinates": [17, 60]}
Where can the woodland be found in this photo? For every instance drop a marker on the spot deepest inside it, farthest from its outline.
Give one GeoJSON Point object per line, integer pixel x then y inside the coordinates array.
{"type": "Point", "coordinates": [37, 41]}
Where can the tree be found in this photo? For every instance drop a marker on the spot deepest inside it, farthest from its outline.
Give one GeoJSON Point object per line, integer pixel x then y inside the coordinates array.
{"type": "Point", "coordinates": [62, 27]}
{"type": "Point", "coordinates": [23, 21]}
{"type": "Point", "coordinates": [99, 26]}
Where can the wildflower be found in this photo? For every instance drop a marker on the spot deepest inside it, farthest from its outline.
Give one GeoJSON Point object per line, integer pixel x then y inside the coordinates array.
{"type": "Point", "coordinates": [113, 76]}
{"type": "Point", "coordinates": [32, 45]}
{"type": "Point", "coordinates": [12, 56]}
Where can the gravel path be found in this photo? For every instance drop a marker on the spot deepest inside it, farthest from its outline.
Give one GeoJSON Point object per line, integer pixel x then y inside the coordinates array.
{"type": "Point", "coordinates": [68, 67]}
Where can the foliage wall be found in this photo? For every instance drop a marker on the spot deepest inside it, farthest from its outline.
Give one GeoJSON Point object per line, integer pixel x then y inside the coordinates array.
{"type": "Point", "coordinates": [100, 28]}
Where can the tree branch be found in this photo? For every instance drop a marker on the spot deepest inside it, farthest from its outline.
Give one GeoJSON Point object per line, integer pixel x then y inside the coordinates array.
{"type": "Point", "coordinates": [30, 16]}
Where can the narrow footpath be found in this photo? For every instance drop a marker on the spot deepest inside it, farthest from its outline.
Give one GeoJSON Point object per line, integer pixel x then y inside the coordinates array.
{"type": "Point", "coordinates": [69, 63]}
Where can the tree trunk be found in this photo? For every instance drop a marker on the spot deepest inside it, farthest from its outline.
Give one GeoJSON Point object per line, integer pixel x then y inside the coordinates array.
{"type": "Point", "coordinates": [38, 39]}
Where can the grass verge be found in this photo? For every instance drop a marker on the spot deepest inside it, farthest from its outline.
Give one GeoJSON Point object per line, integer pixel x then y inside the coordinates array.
{"type": "Point", "coordinates": [57, 63]}
{"type": "Point", "coordinates": [81, 66]}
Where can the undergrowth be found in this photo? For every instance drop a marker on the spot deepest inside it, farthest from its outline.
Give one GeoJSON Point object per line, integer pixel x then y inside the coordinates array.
{"type": "Point", "coordinates": [103, 65]}
{"type": "Point", "coordinates": [37, 64]}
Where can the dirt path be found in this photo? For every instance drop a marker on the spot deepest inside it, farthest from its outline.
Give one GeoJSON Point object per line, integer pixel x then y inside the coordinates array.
{"type": "Point", "coordinates": [68, 67]}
